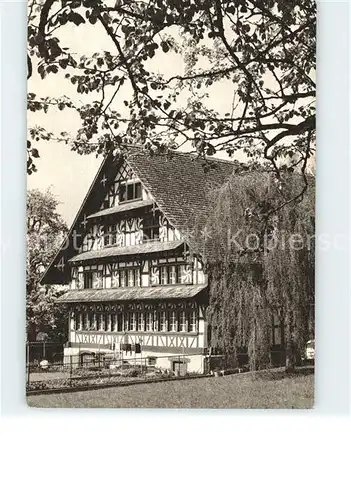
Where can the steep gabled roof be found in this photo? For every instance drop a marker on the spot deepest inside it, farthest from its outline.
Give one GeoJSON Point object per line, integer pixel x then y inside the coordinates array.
{"type": "Point", "coordinates": [178, 182]}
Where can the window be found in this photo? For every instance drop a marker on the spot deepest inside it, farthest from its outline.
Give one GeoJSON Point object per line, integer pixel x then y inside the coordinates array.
{"type": "Point", "coordinates": [131, 277]}
{"type": "Point", "coordinates": [91, 321]}
{"type": "Point", "coordinates": [133, 191]}
{"type": "Point", "coordinates": [88, 279]}
{"type": "Point", "coordinates": [149, 320]}
{"type": "Point", "coordinates": [113, 322]}
{"type": "Point", "coordinates": [122, 192]}
{"type": "Point", "coordinates": [182, 321]}
{"type": "Point", "coordinates": [100, 322]}
{"type": "Point", "coordinates": [119, 322]}
{"type": "Point", "coordinates": [79, 321]}
{"type": "Point", "coordinates": [151, 361]}
{"type": "Point", "coordinates": [192, 321]}
{"type": "Point", "coordinates": [126, 277]}
{"type": "Point", "coordinates": [151, 228]}
{"type": "Point", "coordinates": [151, 233]}
{"type": "Point", "coordinates": [173, 275]}
{"type": "Point", "coordinates": [132, 322]}
{"type": "Point", "coordinates": [122, 278]}
{"type": "Point", "coordinates": [128, 192]}
{"type": "Point", "coordinates": [110, 237]}
{"type": "Point", "coordinates": [163, 323]}
{"type": "Point", "coordinates": [137, 277]}
{"type": "Point", "coordinates": [107, 322]}
{"type": "Point", "coordinates": [140, 322]}
{"type": "Point", "coordinates": [164, 275]}
{"type": "Point", "coordinates": [138, 190]}
{"type": "Point", "coordinates": [172, 324]}
{"type": "Point", "coordinates": [86, 321]}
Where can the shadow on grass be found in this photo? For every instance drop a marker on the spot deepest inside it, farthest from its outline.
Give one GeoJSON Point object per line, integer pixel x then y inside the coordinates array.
{"type": "Point", "coordinates": [300, 371]}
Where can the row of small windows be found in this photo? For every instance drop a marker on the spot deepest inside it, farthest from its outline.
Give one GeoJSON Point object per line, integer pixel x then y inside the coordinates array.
{"type": "Point", "coordinates": [127, 233]}
{"type": "Point", "coordinates": [163, 321]}
{"type": "Point", "coordinates": [121, 278]}
{"type": "Point", "coordinates": [128, 236]}
{"type": "Point", "coordinates": [158, 275]}
{"type": "Point", "coordinates": [123, 192]}
{"type": "Point", "coordinates": [171, 275]}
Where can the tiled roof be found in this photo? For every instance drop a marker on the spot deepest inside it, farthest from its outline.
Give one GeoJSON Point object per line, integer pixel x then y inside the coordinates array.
{"type": "Point", "coordinates": [179, 182]}
{"type": "Point", "coordinates": [135, 293]}
{"type": "Point", "coordinates": [144, 248]}
{"type": "Point", "coordinates": [126, 207]}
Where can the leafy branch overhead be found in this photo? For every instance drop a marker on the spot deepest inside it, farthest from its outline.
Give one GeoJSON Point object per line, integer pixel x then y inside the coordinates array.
{"type": "Point", "coordinates": [262, 52]}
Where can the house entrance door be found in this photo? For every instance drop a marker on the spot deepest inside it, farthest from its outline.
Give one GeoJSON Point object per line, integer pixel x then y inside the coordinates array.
{"type": "Point", "coordinates": [179, 368]}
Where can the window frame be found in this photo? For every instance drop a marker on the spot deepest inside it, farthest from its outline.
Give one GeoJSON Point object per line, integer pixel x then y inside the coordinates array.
{"type": "Point", "coordinates": [113, 322]}
{"type": "Point", "coordinates": [172, 321]}
{"type": "Point", "coordinates": [163, 275]}
{"type": "Point", "coordinates": [88, 279]}
{"type": "Point", "coordinates": [173, 271]}
{"type": "Point", "coordinates": [125, 188]}
{"type": "Point", "coordinates": [151, 360]}
{"type": "Point", "coordinates": [100, 322]}
{"type": "Point", "coordinates": [192, 321]}
{"type": "Point", "coordinates": [140, 323]}
{"type": "Point", "coordinates": [162, 321]}
{"type": "Point", "coordinates": [120, 322]}
{"type": "Point", "coordinates": [149, 321]}
{"type": "Point", "coordinates": [130, 278]}
{"type": "Point", "coordinates": [123, 278]}
{"type": "Point", "coordinates": [182, 322]}
{"type": "Point", "coordinates": [132, 321]}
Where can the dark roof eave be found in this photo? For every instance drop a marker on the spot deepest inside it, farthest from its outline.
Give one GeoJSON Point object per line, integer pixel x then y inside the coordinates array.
{"type": "Point", "coordinates": [142, 249]}
{"type": "Point", "coordinates": [172, 292]}
{"type": "Point", "coordinates": [121, 209]}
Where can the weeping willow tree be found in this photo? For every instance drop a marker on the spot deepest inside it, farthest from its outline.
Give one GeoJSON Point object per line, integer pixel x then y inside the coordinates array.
{"type": "Point", "coordinates": [258, 248]}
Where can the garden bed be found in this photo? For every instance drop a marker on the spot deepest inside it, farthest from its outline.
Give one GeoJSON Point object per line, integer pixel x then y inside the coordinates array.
{"type": "Point", "coordinates": [83, 377]}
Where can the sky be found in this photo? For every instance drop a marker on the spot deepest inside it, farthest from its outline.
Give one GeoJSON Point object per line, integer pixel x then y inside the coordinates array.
{"type": "Point", "coordinates": [67, 174]}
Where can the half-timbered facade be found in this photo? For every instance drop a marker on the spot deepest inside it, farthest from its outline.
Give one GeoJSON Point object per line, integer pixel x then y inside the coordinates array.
{"type": "Point", "coordinates": [132, 279]}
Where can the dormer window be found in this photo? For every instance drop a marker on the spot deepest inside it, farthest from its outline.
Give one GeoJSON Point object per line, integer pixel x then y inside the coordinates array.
{"type": "Point", "coordinates": [129, 192]}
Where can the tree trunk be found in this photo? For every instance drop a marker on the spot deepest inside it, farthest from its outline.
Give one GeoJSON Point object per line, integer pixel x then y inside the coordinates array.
{"type": "Point", "coordinates": [290, 351]}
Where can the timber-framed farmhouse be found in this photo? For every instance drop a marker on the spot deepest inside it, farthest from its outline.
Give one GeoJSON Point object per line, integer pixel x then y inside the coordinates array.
{"type": "Point", "coordinates": [135, 286]}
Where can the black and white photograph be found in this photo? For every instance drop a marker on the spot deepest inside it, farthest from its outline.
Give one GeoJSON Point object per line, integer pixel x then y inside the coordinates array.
{"type": "Point", "coordinates": [171, 165]}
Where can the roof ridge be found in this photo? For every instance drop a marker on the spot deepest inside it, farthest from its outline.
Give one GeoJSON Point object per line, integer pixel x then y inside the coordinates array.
{"type": "Point", "coordinates": [173, 151]}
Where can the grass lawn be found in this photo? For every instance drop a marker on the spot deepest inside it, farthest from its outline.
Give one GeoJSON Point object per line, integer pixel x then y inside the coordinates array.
{"type": "Point", "coordinates": [264, 390]}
